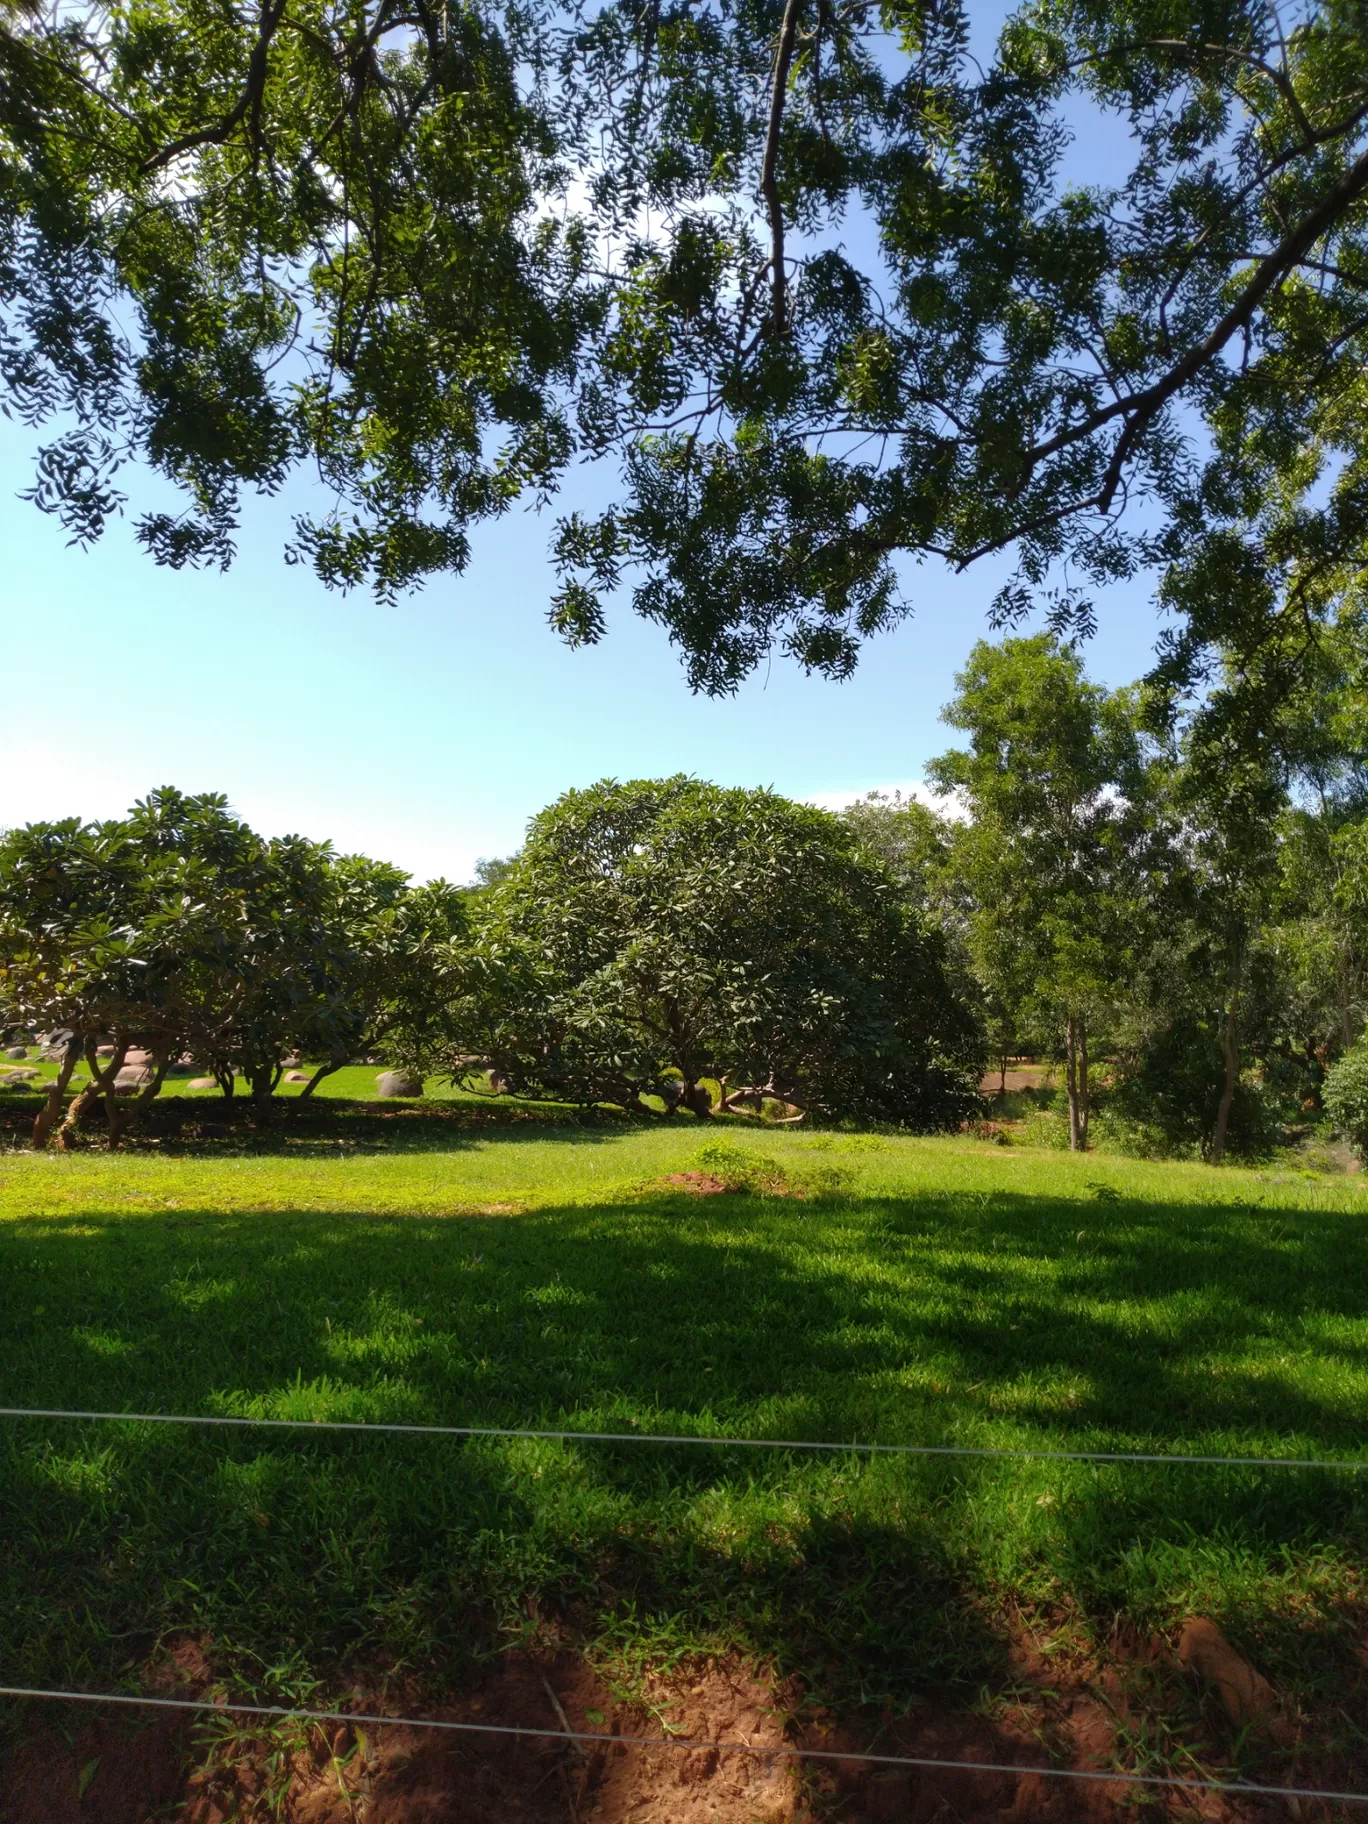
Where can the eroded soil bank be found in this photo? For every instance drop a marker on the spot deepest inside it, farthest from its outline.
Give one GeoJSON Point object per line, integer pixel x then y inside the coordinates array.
{"type": "Point", "coordinates": [1146, 1705]}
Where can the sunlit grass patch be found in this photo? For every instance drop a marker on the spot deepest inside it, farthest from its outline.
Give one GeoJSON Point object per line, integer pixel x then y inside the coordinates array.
{"type": "Point", "coordinates": [939, 1293]}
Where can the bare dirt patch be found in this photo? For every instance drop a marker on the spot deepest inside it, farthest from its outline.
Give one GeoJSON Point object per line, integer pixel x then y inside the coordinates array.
{"type": "Point", "coordinates": [1061, 1705]}
{"type": "Point", "coordinates": [700, 1184]}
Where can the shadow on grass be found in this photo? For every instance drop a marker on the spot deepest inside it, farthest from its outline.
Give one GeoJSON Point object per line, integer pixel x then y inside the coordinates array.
{"type": "Point", "coordinates": [933, 1320]}
{"type": "Point", "coordinates": [209, 1126]}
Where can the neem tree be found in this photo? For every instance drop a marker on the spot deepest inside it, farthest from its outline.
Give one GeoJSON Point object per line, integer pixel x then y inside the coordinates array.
{"type": "Point", "coordinates": [656, 933]}
{"type": "Point", "coordinates": [439, 252]}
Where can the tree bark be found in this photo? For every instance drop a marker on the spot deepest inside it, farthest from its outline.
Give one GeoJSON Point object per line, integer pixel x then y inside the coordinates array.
{"type": "Point", "coordinates": [324, 1070]}
{"type": "Point", "coordinates": [101, 1084]}
{"type": "Point", "coordinates": [1230, 1048]}
{"type": "Point", "coordinates": [1078, 1138]}
{"type": "Point", "coordinates": [46, 1118]}
{"type": "Point", "coordinates": [1084, 1094]}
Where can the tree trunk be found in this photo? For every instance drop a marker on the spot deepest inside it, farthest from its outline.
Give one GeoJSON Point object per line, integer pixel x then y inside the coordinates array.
{"type": "Point", "coordinates": [1078, 1138]}
{"type": "Point", "coordinates": [697, 1100]}
{"type": "Point", "coordinates": [113, 1113]}
{"type": "Point", "coordinates": [1230, 1048]}
{"type": "Point", "coordinates": [152, 1088]}
{"type": "Point", "coordinates": [1002, 1079]}
{"type": "Point", "coordinates": [1084, 1093]}
{"type": "Point", "coordinates": [261, 1085]}
{"type": "Point", "coordinates": [324, 1070]}
{"type": "Point", "coordinates": [101, 1084]}
{"type": "Point", "coordinates": [227, 1082]}
{"type": "Point", "coordinates": [47, 1115]}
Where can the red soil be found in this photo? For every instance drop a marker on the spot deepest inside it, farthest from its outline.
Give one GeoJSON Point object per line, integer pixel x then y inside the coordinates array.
{"type": "Point", "coordinates": [1060, 1708]}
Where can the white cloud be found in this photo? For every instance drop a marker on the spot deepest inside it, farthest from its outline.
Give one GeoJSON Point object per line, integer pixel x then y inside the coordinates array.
{"type": "Point", "coordinates": [945, 805]}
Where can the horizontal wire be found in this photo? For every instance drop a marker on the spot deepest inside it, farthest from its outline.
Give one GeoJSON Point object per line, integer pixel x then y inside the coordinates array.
{"type": "Point", "coordinates": [720, 1443]}
{"type": "Point", "coordinates": [785, 1751]}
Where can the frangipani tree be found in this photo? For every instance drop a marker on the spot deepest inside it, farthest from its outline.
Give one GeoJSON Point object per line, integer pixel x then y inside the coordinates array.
{"type": "Point", "coordinates": [660, 932]}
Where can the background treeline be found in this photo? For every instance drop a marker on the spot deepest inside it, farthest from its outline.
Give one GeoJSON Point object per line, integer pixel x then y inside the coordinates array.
{"type": "Point", "coordinates": [1174, 906]}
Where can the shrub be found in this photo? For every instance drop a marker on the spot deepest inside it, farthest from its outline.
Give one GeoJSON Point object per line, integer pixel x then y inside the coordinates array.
{"type": "Point", "coordinates": [1346, 1097]}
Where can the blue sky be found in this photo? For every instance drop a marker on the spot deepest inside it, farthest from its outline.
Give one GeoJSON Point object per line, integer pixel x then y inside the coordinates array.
{"type": "Point", "coordinates": [429, 732]}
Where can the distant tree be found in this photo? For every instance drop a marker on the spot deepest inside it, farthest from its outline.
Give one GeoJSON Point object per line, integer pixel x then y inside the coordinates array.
{"type": "Point", "coordinates": [490, 870]}
{"type": "Point", "coordinates": [909, 839]}
{"type": "Point", "coordinates": [376, 965]}
{"type": "Point", "coordinates": [658, 933]}
{"type": "Point", "coordinates": [1054, 851]}
{"type": "Point", "coordinates": [180, 928]}
{"type": "Point", "coordinates": [111, 938]}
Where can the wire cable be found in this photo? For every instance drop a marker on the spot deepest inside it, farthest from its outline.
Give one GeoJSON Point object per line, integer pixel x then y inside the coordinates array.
{"type": "Point", "coordinates": [784, 1751]}
{"type": "Point", "coordinates": [717, 1443]}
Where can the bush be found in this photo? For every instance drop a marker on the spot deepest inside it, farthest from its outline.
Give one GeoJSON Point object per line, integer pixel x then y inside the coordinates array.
{"type": "Point", "coordinates": [740, 1169]}
{"type": "Point", "coordinates": [1163, 1104]}
{"type": "Point", "coordinates": [1346, 1097]}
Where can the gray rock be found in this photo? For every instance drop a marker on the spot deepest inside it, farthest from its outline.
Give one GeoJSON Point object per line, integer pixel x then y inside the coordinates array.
{"type": "Point", "coordinates": [16, 1051]}
{"type": "Point", "coordinates": [201, 1083]}
{"type": "Point", "coordinates": [183, 1067]}
{"type": "Point", "coordinates": [398, 1083]}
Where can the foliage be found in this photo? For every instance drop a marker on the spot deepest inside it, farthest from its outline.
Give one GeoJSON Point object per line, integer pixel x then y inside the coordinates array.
{"type": "Point", "coordinates": [1346, 1097]}
{"type": "Point", "coordinates": [438, 254]}
{"type": "Point", "coordinates": [1164, 1103]}
{"type": "Point", "coordinates": [1059, 846]}
{"type": "Point", "coordinates": [656, 933]}
{"type": "Point", "coordinates": [179, 929]}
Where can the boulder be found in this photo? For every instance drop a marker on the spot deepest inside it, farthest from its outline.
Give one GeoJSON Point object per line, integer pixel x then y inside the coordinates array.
{"type": "Point", "coordinates": [104, 1051]}
{"type": "Point", "coordinates": [183, 1067]}
{"type": "Point", "coordinates": [297, 1076]}
{"type": "Point", "coordinates": [398, 1083]}
{"type": "Point", "coordinates": [16, 1051]}
{"type": "Point", "coordinates": [201, 1083]}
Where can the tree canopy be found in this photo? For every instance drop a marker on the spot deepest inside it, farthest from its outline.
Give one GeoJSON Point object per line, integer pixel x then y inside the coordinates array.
{"type": "Point", "coordinates": [656, 933]}
{"type": "Point", "coordinates": [824, 284]}
{"type": "Point", "coordinates": [180, 929]}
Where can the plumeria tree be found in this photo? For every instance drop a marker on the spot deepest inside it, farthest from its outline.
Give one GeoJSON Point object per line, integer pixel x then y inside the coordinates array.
{"type": "Point", "coordinates": [659, 936]}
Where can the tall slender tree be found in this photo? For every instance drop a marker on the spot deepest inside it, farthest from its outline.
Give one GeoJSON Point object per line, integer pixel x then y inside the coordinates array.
{"type": "Point", "coordinates": [1058, 840]}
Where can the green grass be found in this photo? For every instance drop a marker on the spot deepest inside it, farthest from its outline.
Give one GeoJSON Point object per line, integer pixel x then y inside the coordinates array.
{"type": "Point", "coordinates": [922, 1291]}
{"type": "Point", "coordinates": [353, 1080]}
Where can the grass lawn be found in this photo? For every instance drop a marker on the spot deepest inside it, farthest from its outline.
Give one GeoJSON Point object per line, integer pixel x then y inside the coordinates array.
{"type": "Point", "coordinates": [919, 1291]}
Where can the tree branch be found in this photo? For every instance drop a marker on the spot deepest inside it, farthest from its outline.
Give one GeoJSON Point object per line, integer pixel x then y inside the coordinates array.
{"type": "Point", "coordinates": [249, 100]}
{"type": "Point", "coordinates": [769, 167]}
{"type": "Point", "coordinates": [1142, 408]}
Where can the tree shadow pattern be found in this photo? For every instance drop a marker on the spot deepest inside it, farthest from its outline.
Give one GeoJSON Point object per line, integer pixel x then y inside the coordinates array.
{"type": "Point", "coordinates": [1009, 1321]}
